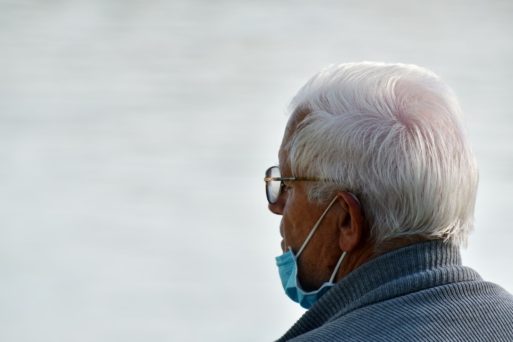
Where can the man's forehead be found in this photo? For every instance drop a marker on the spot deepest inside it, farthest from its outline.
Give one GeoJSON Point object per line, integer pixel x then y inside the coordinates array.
{"type": "Point", "coordinates": [297, 116]}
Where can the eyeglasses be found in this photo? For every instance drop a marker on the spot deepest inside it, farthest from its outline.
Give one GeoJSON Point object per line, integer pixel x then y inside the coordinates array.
{"type": "Point", "coordinates": [274, 183]}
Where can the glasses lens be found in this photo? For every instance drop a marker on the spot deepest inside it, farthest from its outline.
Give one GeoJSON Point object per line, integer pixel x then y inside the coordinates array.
{"type": "Point", "coordinates": [273, 187]}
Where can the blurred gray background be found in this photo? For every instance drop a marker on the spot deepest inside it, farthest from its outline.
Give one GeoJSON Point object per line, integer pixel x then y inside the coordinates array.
{"type": "Point", "coordinates": [134, 136]}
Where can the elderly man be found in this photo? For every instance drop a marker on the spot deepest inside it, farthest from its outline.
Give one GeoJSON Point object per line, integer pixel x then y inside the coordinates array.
{"type": "Point", "coordinates": [376, 186]}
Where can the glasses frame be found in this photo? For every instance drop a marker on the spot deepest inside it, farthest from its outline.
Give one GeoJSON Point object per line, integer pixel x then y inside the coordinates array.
{"type": "Point", "coordinates": [268, 179]}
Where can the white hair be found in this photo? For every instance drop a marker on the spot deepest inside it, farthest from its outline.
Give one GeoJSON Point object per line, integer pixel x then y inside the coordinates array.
{"type": "Point", "coordinates": [391, 134]}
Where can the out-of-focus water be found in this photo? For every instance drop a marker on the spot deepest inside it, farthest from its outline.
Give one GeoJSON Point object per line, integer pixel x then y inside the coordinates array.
{"type": "Point", "coordinates": [134, 136]}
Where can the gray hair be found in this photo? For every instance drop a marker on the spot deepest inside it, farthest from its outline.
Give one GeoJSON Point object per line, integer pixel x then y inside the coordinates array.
{"type": "Point", "coordinates": [391, 134]}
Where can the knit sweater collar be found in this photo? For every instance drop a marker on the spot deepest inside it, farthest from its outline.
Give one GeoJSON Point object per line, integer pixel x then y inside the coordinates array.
{"type": "Point", "coordinates": [378, 280]}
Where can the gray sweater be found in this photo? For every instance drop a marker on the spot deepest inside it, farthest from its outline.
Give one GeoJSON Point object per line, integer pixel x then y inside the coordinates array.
{"type": "Point", "coordinates": [416, 293]}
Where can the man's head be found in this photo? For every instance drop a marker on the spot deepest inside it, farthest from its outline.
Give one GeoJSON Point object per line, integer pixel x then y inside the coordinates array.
{"type": "Point", "coordinates": [391, 135]}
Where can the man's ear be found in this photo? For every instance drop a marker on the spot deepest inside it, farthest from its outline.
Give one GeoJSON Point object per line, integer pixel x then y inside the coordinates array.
{"type": "Point", "coordinates": [352, 223]}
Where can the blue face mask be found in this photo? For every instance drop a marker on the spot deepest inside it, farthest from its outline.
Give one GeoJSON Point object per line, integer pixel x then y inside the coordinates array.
{"type": "Point", "coordinates": [287, 266]}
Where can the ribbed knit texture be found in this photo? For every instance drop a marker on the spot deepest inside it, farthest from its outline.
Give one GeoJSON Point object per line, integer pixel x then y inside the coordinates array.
{"type": "Point", "coordinates": [417, 293]}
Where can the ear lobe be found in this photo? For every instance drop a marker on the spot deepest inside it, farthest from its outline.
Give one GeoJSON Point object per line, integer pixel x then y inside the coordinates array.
{"type": "Point", "coordinates": [351, 223]}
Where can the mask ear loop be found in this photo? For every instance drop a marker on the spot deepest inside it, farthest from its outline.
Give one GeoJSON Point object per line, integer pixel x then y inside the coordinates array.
{"type": "Point", "coordinates": [312, 232]}
{"type": "Point", "coordinates": [335, 271]}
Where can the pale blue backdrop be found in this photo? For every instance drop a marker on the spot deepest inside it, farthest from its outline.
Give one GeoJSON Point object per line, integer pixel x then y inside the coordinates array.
{"type": "Point", "coordinates": [134, 136]}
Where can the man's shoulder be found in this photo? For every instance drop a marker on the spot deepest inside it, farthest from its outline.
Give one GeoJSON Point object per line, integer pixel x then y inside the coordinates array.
{"type": "Point", "coordinates": [464, 311]}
